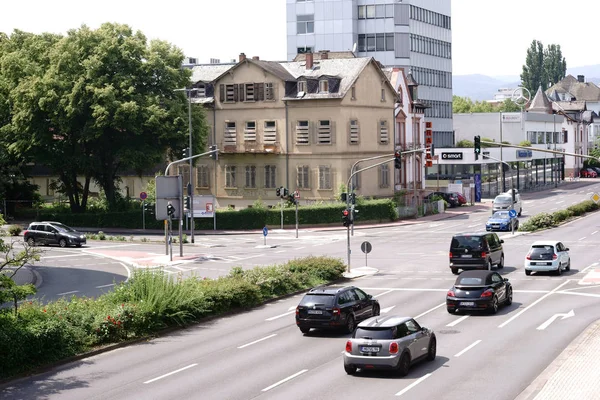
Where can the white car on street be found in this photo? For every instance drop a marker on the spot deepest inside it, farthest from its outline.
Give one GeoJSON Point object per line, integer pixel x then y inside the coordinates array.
{"type": "Point", "coordinates": [504, 202]}
{"type": "Point", "coordinates": [547, 255]}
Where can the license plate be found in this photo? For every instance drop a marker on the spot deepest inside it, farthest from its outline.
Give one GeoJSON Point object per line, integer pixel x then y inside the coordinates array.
{"type": "Point", "coordinates": [533, 263]}
{"type": "Point", "coordinates": [366, 349]}
{"type": "Point", "coordinates": [467, 256]}
{"type": "Point", "coordinates": [467, 303]}
{"type": "Point", "coordinates": [315, 312]}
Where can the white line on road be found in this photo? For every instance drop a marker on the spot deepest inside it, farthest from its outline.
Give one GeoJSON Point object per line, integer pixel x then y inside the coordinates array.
{"type": "Point", "coordinates": [171, 373]}
{"type": "Point", "coordinates": [103, 286]}
{"type": "Point", "coordinates": [71, 292]}
{"type": "Point", "coordinates": [280, 251]}
{"type": "Point", "coordinates": [299, 248]}
{"type": "Point", "coordinates": [593, 233]}
{"type": "Point", "coordinates": [381, 294]}
{"type": "Point", "coordinates": [580, 294]}
{"type": "Point", "coordinates": [284, 380]}
{"type": "Point", "coordinates": [582, 238]}
{"type": "Point", "coordinates": [386, 310]}
{"type": "Point", "coordinates": [588, 267]}
{"type": "Point", "coordinates": [502, 325]}
{"type": "Point", "coordinates": [412, 385]}
{"type": "Point", "coordinates": [458, 321]}
{"type": "Point", "coordinates": [67, 255]}
{"type": "Point", "coordinates": [256, 341]}
{"type": "Point", "coordinates": [460, 353]}
{"type": "Point", "coordinates": [280, 315]}
{"type": "Point", "coordinates": [473, 226]}
{"type": "Point", "coordinates": [430, 310]}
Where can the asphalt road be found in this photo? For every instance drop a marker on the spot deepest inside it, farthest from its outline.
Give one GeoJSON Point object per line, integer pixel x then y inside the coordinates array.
{"type": "Point", "coordinates": [261, 354]}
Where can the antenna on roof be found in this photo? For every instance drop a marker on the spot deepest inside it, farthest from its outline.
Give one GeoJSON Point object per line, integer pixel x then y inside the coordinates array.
{"type": "Point", "coordinates": [354, 47]}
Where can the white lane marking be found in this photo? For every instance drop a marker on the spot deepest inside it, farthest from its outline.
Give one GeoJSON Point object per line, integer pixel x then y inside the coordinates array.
{"type": "Point", "coordinates": [588, 267]}
{"type": "Point", "coordinates": [110, 247]}
{"type": "Point", "coordinates": [460, 353]}
{"type": "Point", "coordinates": [280, 251]}
{"type": "Point", "coordinates": [381, 294]}
{"type": "Point", "coordinates": [256, 341]}
{"type": "Point", "coordinates": [430, 310]}
{"type": "Point", "coordinates": [558, 202]}
{"type": "Point", "coordinates": [284, 380]}
{"type": "Point", "coordinates": [412, 385]}
{"type": "Point", "coordinates": [502, 325]}
{"type": "Point", "coordinates": [580, 294]}
{"type": "Point", "coordinates": [68, 255]}
{"type": "Point", "coordinates": [386, 310]}
{"type": "Point", "coordinates": [473, 226]}
{"type": "Point", "coordinates": [280, 315]}
{"type": "Point", "coordinates": [179, 268]}
{"type": "Point", "coordinates": [171, 373]}
{"type": "Point", "coordinates": [71, 292]}
{"type": "Point", "coordinates": [582, 238]}
{"type": "Point", "coordinates": [593, 233]}
{"type": "Point", "coordinates": [299, 248]}
{"type": "Point", "coordinates": [292, 308]}
{"type": "Point", "coordinates": [103, 286]}
{"type": "Point", "coordinates": [458, 321]}
{"type": "Point", "coordinates": [555, 317]}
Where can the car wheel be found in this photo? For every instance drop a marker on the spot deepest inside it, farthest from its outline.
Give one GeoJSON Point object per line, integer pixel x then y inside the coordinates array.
{"type": "Point", "coordinates": [527, 272]}
{"type": "Point", "coordinates": [520, 212]}
{"type": "Point", "coordinates": [350, 369]}
{"type": "Point", "coordinates": [432, 349]}
{"type": "Point", "coordinates": [79, 245]}
{"type": "Point", "coordinates": [304, 330]}
{"type": "Point", "coordinates": [489, 265]}
{"type": "Point", "coordinates": [509, 297]}
{"type": "Point", "coordinates": [350, 324]}
{"type": "Point", "coordinates": [501, 263]}
{"type": "Point", "coordinates": [31, 242]}
{"type": "Point", "coordinates": [376, 310]}
{"type": "Point", "coordinates": [451, 310]}
{"type": "Point", "coordinates": [559, 270]}
{"type": "Point", "coordinates": [404, 365]}
{"type": "Point", "coordinates": [568, 267]}
{"type": "Point", "coordinates": [454, 271]}
{"type": "Point", "coordinates": [494, 306]}
{"type": "Point", "coordinates": [62, 243]}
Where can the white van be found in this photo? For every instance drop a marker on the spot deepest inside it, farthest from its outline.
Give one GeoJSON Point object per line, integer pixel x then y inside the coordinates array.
{"type": "Point", "coordinates": [504, 202]}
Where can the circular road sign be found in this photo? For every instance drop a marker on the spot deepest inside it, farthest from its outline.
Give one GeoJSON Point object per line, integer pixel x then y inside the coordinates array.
{"type": "Point", "coordinates": [512, 213]}
{"type": "Point", "coordinates": [265, 231]}
{"type": "Point", "coordinates": [366, 247]}
{"type": "Point", "coordinates": [143, 195]}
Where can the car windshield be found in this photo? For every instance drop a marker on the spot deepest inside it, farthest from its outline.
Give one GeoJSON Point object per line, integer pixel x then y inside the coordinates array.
{"type": "Point", "coordinates": [63, 228]}
{"type": "Point", "coordinates": [542, 250]}
{"type": "Point", "coordinates": [500, 215]}
{"type": "Point", "coordinates": [503, 200]}
{"type": "Point", "coordinates": [374, 333]}
{"type": "Point", "coordinates": [469, 281]}
{"type": "Point", "coordinates": [466, 242]}
{"type": "Point", "coordinates": [313, 299]}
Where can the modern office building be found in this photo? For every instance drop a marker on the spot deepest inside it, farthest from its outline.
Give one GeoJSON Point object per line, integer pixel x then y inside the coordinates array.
{"type": "Point", "coordinates": [413, 34]}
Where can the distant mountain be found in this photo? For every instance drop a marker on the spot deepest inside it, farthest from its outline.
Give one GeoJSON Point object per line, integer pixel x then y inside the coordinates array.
{"type": "Point", "coordinates": [479, 87]}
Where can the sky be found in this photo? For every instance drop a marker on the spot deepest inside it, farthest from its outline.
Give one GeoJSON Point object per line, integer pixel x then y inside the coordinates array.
{"type": "Point", "coordinates": [489, 38]}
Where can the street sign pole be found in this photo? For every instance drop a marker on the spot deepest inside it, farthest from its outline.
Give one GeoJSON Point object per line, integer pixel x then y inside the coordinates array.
{"type": "Point", "coordinates": [143, 215]}
{"type": "Point", "coordinates": [281, 213]}
{"type": "Point", "coordinates": [166, 237]}
{"type": "Point", "coordinates": [296, 218]}
{"type": "Point", "coordinates": [170, 239]}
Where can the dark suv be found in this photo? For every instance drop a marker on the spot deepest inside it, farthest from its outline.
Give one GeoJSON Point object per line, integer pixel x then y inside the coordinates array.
{"type": "Point", "coordinates": [476, 251]}
{"type": "Point", "coordinates": [48, 232]}
{"type": "Point", "coordinates": [335, 308]}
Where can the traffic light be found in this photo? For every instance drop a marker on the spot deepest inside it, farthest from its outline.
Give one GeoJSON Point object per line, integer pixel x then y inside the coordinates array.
{"type": "Point", "coordinates": [187, 202]}
{"type": "Point", "coordinates": [186, 152]}
{"type": "Point", "coordinates": [215, 155]}
{"type": "Point", "coordinates": [477, 146]}
{"type": "Point", "coordinates": [285, 192]}
{"type": "Point", "coordinates": [170, 210]}
{"type": "Point", "coordinates": [149, 208]}
{"type": "Point", "coordinates": [397, 160]}
{"type": "Point", "coordinates": [353, 198]}
{"type": "Point", "coordinates": [346, 217]}
{"type": "Point", "coordinates": [432, 150]}
{"type": "Point", "coordinates": [278, 191]}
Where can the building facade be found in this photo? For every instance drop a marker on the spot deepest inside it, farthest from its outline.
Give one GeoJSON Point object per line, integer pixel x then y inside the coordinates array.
{"type": "Point", "coordinates": [413, 34]}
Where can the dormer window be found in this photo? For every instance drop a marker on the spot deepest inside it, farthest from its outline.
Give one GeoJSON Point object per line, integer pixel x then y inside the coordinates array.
{"type": "Point", "coordinates": [324, 86]}
{"type": "Point", "coordinates": [302, 86]}
{"type": "Point", "coordinates": [199, 90]}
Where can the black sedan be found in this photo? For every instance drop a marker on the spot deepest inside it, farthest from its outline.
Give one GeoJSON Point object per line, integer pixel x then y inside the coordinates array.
{"type": "Point", "coordinates": [479, 290]}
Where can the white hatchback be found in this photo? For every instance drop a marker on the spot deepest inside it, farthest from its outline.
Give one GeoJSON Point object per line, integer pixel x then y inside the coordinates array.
{"type": "Point", "coordinates": [547, 255]}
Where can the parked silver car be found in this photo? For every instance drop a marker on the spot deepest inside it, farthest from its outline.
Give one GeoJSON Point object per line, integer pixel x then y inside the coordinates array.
{"type": "Point", "coordinates": [389, 342]}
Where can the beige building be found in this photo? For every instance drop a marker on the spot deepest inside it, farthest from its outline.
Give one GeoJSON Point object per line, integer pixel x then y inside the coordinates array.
{"type": "Point", "coordinates": [300, 125]}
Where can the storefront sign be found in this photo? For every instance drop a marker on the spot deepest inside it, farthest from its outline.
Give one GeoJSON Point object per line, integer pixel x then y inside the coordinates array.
{"type": "Point", "coordinates": [512, 117]}
{"type": "Point", "coordinates": [524, 153]}
{"type": "Point", "coordinates": [452, 156]}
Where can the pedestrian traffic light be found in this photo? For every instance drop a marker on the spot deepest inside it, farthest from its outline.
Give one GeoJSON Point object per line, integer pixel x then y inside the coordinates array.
{"type": "Point", "coordinates": [397, 160]}
{"type": "Point", "coordinates": [477, 146]}
{"type": "Point", "coordinates": [346, 217]}
{"type": "Point", "coordinates": [170, 210]}
{"type": "Point", "coordinates": [186, 152]}
{"type": "Point", "coordinates": [187, 202]}
{"type": "Point", "coordinates": [215, 155]}
{"type": "Point", "coordinates": [278, 192]}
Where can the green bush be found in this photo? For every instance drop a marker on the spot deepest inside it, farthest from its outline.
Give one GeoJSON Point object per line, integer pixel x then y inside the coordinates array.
{"type": "Point", "coordinates": [14, 230]}
{"type": "Point", "coordinates": [561, 215]}
{"type": "Point", "coordinates": [537, 222]}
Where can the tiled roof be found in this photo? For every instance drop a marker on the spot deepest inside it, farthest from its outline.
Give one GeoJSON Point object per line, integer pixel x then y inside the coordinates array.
{"type": "Point", "coordinates": [580, 90]}
{"type": "Point", "coordinates": [275, 68]}
{"type": "Point", "coordinates": [330, 55]}
{"type": "Point", "coordinates": [209, 72]}
{"type": "Point", "coordinates": [540, 103]}
{"type": "Point", "coordinates": [569, 106]}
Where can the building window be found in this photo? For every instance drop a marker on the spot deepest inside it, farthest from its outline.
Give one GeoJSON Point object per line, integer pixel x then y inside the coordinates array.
{"type": "Point", "coordinates": [301, 86]}
{"type": "Point", "coordinates": [305, 24]}
{"type": "Point", "coordinates": [382, 94]}
{"type": "Point", "coordinates": [199, 90]}
{"type": "Point", "coordinates": [302, 132]}
{"type": "Point", "coordinates": [302, 181]}
{"type": "Point", "coordinates": [324, 177]}
{"type": "Point", "coordinates": [324, 85]}
{"type": "Point", "coordinates": [249, 92]}
{"type": "Point", "coordinates": [250, 176]}
{"type": "Point", "coordinates": [324, 134]}
{"type": "Point", "coordinates": [269, 91]}
{"type": "Point", "coordinates": [230, 134]}
{"type": "Point", "coordinates": [304, 50]}
{"type": "Point", "coordinates": [184, 171]}
{"type": "Point", "coordinates": [384, 137]}
{"type": "Point", "coordinates": [270, 132]}
{"type": "Point", "coordinates": [384, 176]}
{"type": "Point", "coordinates": [49, 187]}
{"type": "Point", "coordinates": [353, 93]}
{"type": "Point", "coordinates": [270, 176]}
{"type": "Point", "coordinates": [355, 180]}
{"type": "Point", "coordinates": [230, 176]}
{"type": "Point", "coordinates": [370, 12]}
{"type": "Point", "coordinates": [354, 131]}
{"type": "Point", "coordinates": [230, 93]}
{"type": "Point", "coordinates": [250, 131]}
{"type": "Point", "coordinates": [202, 174]}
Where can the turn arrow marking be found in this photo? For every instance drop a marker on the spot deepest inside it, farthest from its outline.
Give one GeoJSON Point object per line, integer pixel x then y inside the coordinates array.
{"type": "Point", "coordinates": [553, 318]}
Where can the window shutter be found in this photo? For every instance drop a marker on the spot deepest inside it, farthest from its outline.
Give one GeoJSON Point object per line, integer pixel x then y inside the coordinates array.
{"type": "Point", "coordinates": [275, 89]}
{"type": "Point", "coordinates": [241, 92]}
{"type": "Point", "coordinates": [235, 92]}
{"type": "Point", "coordinates": [332, 130]}
{"type": "Point", "coordinates": [222, 93]}
{"type": "Point", "coordinates": [259, 90]}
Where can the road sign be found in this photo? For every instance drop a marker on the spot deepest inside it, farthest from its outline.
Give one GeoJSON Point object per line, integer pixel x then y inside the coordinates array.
{"type": "Point", "coordinates": [512, 213]}
{"type": "Point", "coordinates": [296, 194]}
{"type": "Point", "coordinates": [265, 231]}
{"type": "Point", "coordinates": [366, 247]}
{"type": "Point", "coordinates": [143, 196]}
{"type": "Point", "coordinates": [596, 198]}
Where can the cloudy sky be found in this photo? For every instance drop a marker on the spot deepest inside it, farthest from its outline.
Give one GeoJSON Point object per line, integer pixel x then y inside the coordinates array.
{"type": "Point", "coordinates": [489, 38]}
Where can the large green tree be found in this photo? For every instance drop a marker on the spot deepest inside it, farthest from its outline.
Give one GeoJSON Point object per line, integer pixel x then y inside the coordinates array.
{"type": "Point", "coordinates": [101, 103]}
{"type": "Point", "coordinates": [466, 105]}
{"type": "Point", "coordinates": [543, 67]}
{"type": "Point", "coordinates": [555, 64]}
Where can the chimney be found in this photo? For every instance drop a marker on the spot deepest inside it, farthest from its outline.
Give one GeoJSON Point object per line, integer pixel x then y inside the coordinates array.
{"type": "Point", "coordinates": [324, 54]}
{"type": "Point", "coordinates": [242, 57]}
{"type": "Point", "coordinates": [581, 78]}
{"type": "Point", "coordinates": [309, 60]}
{"type": "Point", "coordinates": [255, 58]}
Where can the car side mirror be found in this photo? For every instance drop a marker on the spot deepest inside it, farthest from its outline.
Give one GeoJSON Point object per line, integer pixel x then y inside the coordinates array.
{"type": "Point", "coordinates": [501, 240]}
{"type": "Point", "coordinates": [567, 249]}
{"type": "Point", "coordinates": [505, 279]}
{"type": "Point", "coordinates": [370, 296]}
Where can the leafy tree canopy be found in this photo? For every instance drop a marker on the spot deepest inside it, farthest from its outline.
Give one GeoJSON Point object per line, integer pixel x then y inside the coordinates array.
{"type": "Point", "coordinates": [543, 67]}
{"type": "Point", "coordinates": [466, 105]}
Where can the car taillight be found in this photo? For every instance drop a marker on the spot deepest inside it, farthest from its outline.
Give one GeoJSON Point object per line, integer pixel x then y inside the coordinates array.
{"type": "Point", "coordinates": [528, 257]}
{"type": "Point", "coordinates": [25, 232]}
{"type": "Point", "coordinates": [393, 348]}
{"type": "Point", "coordinates": [348, 346]}
{"type": "Point", "coordinates": [483, 254]}
{"type": "Point", "coordinates": [450, 293]}
{"type": "Point", "coordinates": [297, 310]}
{"type": "Point", "coordinates": [487, 293]}
{"type": "Point", "coordinates": [450, 254]}
{"type": "Point", "coordinates": [336, 311]}
{"type": "Point", "coordinates": [554, 256]}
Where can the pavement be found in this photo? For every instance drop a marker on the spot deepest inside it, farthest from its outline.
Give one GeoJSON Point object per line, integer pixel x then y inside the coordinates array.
{"type": "Point", "coordinates": [574, 374]}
